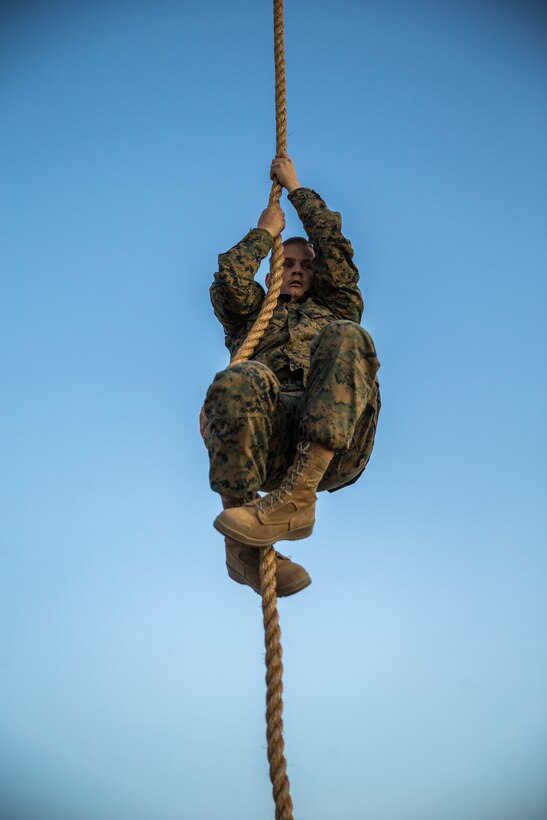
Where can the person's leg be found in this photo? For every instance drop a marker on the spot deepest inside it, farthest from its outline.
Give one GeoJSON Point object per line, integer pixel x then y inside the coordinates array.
{"type": "Point", "coordinates": [346, 467]}
{"type": "Point", "coordinates": [342, 400]}
{"type": "Point", "coordinates": [340, 380]}
{"type": "Point", "coordinates": [241, 410]}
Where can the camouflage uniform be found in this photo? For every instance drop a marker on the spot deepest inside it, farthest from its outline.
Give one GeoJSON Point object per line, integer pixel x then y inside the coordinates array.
{"type": "Point", "coordinates": [312, 376]}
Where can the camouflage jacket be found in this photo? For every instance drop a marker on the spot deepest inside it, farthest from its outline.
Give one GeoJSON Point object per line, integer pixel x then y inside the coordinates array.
{"type": "Point", "coordinates": [236, 297]}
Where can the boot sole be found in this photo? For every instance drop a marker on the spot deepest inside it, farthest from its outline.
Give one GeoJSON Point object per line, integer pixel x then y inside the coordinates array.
{"type": "Point", "coordinates": [290, 590]}
{"type": "Point", "coordinates": [292, 535]}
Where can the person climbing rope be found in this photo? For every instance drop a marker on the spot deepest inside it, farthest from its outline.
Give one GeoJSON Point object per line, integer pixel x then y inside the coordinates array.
{"type": "Point", "coordinates": [300, 415]}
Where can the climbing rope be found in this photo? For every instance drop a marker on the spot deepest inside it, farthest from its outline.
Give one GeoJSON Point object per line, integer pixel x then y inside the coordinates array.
{"type": "Point", "coordinates": [255, 334]}
{"type": "Point", "coordinates": [272, 631]}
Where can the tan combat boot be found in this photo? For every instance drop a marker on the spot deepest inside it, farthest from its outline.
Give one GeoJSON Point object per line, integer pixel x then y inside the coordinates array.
{"type": "Point", "coordinates": [287, 513]}
{"type": "Point", "coordinates": [242, 565]}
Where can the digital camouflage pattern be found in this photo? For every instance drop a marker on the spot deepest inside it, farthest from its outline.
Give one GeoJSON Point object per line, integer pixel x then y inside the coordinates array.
{"type": "Point", "coordinates": [313, 375]}
{"type": "Point", "coordinates": [253, 424]}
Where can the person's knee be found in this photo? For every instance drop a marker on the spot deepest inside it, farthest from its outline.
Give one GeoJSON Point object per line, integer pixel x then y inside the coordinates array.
{"type": "Point", "coordinates": [242, 388]}
{"type": "Point", "coordinates": [342, 333]}
{"type": "Point", "coordinates": [243, 374]}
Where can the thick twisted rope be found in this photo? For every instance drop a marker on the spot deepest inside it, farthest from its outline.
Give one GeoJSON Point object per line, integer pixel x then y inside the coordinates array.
{"type": "Point", "coordinates": [272, 631]}
{"type": "Point", "coordinates": [255, 334]}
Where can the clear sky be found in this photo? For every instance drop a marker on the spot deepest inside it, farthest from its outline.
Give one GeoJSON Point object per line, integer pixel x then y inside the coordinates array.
{"type": "Point", "coordinates": [136, 139]}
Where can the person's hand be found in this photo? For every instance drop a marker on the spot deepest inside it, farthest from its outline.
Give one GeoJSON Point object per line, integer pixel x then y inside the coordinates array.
{"type": "Point", "coordinates": [282, 168]}
{"type": "Point", "coordinates": [272, 219]}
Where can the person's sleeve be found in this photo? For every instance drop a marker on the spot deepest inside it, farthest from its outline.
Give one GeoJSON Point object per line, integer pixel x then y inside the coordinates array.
{"type": "Point", "coordinates": [235, 295]}
{"type": "Point", "coordinates": [335, 274]}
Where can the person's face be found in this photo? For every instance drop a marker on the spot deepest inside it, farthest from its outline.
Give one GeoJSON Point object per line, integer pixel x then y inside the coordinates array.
{"type": "Point", "coordinates": [297, 269]}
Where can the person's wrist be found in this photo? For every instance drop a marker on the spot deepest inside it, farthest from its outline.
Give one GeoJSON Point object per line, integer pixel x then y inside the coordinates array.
{"type": "Point", "coordinates": [293, 186]}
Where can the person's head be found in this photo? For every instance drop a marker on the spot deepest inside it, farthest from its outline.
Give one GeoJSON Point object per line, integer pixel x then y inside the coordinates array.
{"type": "Point", "coordinates": [297, 269]}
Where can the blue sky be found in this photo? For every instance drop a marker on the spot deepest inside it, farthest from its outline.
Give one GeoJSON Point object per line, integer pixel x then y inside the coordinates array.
{"type": "Point", "coordinates": [136, 143]}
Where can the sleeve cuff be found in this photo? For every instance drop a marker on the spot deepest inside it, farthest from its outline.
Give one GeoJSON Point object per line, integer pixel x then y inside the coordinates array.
{"type": "Point", "coordinates": [263, 235]}
{"type": "Point", "coordinates": [301, 196]}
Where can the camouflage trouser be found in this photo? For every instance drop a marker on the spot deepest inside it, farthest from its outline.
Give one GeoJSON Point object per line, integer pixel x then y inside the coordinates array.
{"type": "Point", "coordinates": [253, 424]}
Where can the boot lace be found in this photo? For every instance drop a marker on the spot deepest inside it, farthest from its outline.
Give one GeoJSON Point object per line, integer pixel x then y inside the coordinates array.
{"type": "Point", "coordinates": [287, 485]}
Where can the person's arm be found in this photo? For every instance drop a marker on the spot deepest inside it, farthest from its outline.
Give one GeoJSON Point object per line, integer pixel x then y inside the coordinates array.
{"type": "Point", "coordinates": [335, 275]}
{"type": "Point", "coordinates": [335, 279]}
{"type": "Point", "coordinates": [235, 295]}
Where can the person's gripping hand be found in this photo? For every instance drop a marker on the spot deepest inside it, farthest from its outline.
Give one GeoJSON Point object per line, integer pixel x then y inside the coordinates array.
{"type": "Point", "coordinates": [282, 168]}
{"type": "Point", "coordinates": [272, 219]}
